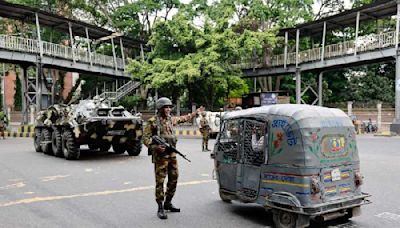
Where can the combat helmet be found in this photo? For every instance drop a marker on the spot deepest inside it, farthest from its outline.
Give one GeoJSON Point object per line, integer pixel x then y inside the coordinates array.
{"type": "Point", "coordinates": [163, 101]}
{"type": "Point", "coordinates": [203, 113]}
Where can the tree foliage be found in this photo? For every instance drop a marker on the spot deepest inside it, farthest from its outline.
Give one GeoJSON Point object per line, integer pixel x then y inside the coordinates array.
{"type": "Point", "coordinates": [194, 46]}
{"type": "Point", "coordinates": [195, 51]}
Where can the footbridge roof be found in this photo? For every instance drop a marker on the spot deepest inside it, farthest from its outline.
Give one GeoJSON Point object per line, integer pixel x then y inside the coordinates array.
{"type": "Point", "coordinates": [373, 11]}
{"type": "Point", "coordinates": [27, 14]}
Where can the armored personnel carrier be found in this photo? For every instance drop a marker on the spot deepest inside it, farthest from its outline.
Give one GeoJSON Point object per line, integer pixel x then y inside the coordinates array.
{"type": "Point", "coordinates": [61, 130]}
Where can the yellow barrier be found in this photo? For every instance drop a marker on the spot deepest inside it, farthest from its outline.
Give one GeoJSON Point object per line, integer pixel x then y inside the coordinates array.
{"type": "Point", "coordinates": [18, 134]}
{"type": "Point", "coordinates": [30, 133]}
{"type": "Point", "coordinates": [26, 128]}
{"type": "Point", "coordinates": [188, 133]}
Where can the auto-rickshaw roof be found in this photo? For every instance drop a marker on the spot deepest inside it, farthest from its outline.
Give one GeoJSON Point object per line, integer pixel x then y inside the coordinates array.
{"type": "Point", "coordinates": [295, 111]}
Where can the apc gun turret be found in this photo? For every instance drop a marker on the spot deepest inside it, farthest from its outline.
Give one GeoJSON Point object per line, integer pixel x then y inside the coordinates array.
{"type": "Point", "coordinates": [62, 129]}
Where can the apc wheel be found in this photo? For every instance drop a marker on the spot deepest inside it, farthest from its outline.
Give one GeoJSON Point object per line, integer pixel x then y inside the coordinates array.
{"type": "Point", "coordinates": [134, 148]}
{"type": "Point", "coordinates": [46, 147]}
{"type": "Point", "coordinates": [70, 147]}
{"type": "Point", "coordinates": [119, 148]}
{"type": "Point", "coordinates": [224, 196]}
{"type": "Point", "coordinates": [37, 140]}
{"type": "Point", "coordinates": [93, 146]}
{"type": "Point", "coordinates": [56, 143]}
{"type": "Point", "coordinates": [284, 219]}
{"type": "Point", "coordinates": [105, 146]}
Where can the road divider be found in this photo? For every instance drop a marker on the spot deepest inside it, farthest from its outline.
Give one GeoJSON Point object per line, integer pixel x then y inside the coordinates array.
{"type": "Point", "coordinates": [28, 131]}
{"type": "Point", "coordinates": [19, 134]}
{"type": "Point", "coordinates": [188, 133]}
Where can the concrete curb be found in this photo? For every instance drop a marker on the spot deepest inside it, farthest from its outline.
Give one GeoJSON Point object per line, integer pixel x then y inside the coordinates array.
{"type": "Point", "coordinates": [386, 134]}
{"type": "Point", "coordinates": [186, 133]}
{"type": "Point", "coordinates": [26, 128]}
{"type": "Point", "coordinates": [192, 133]}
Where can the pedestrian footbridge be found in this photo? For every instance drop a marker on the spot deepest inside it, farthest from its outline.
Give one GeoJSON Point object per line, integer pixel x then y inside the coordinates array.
{"type": "Point", "coordinates": [372, 48]}
{"type": "Point", "coordinates": [14, 49]}
{"type": "Point", "coordinates": [356, 48]}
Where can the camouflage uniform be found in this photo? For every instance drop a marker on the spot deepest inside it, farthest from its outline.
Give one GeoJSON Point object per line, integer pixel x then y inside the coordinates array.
{"type": "Point", "coordinates": [3, 124]}
{"type": "Point", "coordinates": [166, 164]}
{"type": "Point", "coordinates": [205, 131]}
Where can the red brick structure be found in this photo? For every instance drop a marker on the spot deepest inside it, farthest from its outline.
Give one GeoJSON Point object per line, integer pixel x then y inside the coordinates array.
{"type": "Point", "coordinates": [9, 88]}
{"type": "Point", "coordinates": [10, 85]}
{"type": "Point", "coordinates": [68, 81]}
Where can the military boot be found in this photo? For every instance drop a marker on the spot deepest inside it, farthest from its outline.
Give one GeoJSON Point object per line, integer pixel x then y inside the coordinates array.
{"type": "Point", "coordinates": [202, 147]}
{"type": "Point", "coordinates": [207, 148]}
{"type": "Point", "coordinates": [170, 207]}
{"type": "Point", "coordinates": [161, 213]}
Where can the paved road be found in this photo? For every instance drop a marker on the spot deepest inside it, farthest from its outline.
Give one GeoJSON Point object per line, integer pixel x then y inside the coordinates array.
{"type": "Point", "coordinates": [107, 190]}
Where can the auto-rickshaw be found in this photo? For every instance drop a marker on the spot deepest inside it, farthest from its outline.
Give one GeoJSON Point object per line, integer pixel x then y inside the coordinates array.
{"type": "Point", "coordinates": [299, 161]}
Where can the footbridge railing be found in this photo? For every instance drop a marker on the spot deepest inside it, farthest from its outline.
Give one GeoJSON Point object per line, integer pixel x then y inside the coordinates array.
{"type": "Point", "coordinates": [363, 44]}
{"type": "Point", "coordinates": [121, 92]}
{"type": "Point", "coordinates": [77, 54]}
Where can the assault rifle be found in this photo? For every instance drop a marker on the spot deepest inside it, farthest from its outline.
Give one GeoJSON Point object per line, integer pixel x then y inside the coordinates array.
{"type": "Point", "coordinates": [168, 147]}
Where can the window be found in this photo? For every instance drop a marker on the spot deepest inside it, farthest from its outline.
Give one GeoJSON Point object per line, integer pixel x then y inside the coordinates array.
{"type": "Point", "coordinates": [255, 140]}
{"type": "Point", "coordinates": [229, 141]}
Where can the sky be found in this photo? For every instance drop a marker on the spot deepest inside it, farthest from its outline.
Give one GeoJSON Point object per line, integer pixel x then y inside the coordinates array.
{"type": "Point", "coordinates": [315, 6]}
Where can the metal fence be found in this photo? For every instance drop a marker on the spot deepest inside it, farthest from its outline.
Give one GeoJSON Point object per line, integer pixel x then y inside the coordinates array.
{"type": "Point", "coordinates": [77, 54]}
{"type": "Point", "coordinates": [363, 44]}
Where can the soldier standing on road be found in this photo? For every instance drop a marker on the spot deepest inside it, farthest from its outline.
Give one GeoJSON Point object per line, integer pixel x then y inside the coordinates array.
{"type": "Point", "coordinates": [205, 131]}
{"type": "Point", "coordinates": [164, 164]}
{"type": "Point", "coordinates": [3, 123]}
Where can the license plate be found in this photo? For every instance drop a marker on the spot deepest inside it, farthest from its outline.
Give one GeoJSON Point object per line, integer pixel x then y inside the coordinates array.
{"type": "Point", "coordinates": [335, 174]}
{"type": "Point", "coordinates": [116, 132]}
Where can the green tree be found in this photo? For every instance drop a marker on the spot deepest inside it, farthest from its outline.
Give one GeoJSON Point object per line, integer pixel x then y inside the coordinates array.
{"type": "Point", "coordinates": [129, 102]}
{"type": "Point", "coordinates": [195, 60]}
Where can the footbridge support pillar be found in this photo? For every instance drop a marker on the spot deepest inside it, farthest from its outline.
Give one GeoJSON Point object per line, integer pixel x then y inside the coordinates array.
{"type": "Point", "coordinates": [395, 126]}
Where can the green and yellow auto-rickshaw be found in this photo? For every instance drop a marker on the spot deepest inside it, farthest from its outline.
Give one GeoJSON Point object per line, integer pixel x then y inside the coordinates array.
{"type": "Point", "coordinates": [299, 161]}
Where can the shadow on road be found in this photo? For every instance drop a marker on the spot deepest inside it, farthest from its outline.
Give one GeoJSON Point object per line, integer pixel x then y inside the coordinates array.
{"type": "Point", "coordinates": [337, 223]}
{"type": "Point", "coordinates": [89, 155]}
{"type": "Point", "coordinates": [251, 212]}
{"type": "Point", "coordinates": [260, 216]}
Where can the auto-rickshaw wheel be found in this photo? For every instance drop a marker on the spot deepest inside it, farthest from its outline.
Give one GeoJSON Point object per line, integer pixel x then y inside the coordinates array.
{"type": "Point", "coordinates": [348, 215]}
{"type": "Point", "coordinates": [224, 197]}
{"type": "Point", "coordinates": [284, 219]}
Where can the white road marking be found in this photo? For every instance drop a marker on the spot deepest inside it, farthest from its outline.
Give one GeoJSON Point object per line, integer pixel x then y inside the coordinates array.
{"type": "Point", "coordinates": [16, 185]}
{"type": "Point", "coordinates": [88, 170]}
{"type": "Point", "coordinates": [344, 226]}
{"type": "Point", "coordinates": [103, 193]}
{"type": "Point", "coordinates": [51, 178]}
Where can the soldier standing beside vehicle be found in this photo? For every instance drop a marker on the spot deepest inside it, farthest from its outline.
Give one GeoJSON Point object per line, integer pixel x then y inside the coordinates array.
{"type": "Point", "coordinates": [3, 123]}
{"type": "Point", "coordinates": [164, 164]}
{"type": "Point", "coordinates": [205, 131]}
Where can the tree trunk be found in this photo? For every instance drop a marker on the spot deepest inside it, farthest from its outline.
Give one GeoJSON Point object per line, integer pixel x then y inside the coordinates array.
{"type": "Point", "coordinates": [263, 81]}
{"type": "Point", "coordinates": [278, 83]}
{"type": "Point", "coordinates": [269, 83]}
{"type": "Point", "coordinates": [190, 96]}
{"type": "Point", "coordinates": [70, 95]}
{"type": "Point", "coordinates": [211, 97]}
